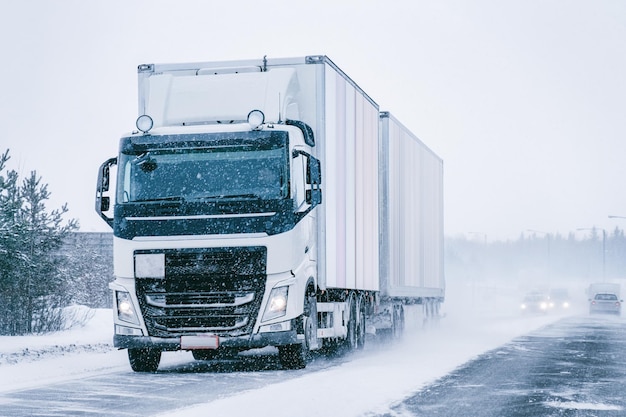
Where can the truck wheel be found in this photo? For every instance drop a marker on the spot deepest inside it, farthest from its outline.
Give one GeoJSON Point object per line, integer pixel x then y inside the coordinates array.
{"type": "Point", "coordinates": [297, 355]}
{"type": "Point", "coordinates": [310, 323]}
{"type": "Point", "coordinates": [144, 359]}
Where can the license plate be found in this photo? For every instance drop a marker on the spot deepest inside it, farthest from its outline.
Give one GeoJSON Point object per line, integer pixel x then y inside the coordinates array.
{"type": "Point", "coordinates": [199, 341]}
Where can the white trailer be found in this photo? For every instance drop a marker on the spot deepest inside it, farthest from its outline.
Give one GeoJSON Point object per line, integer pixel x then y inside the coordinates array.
{"type": "Point", "coordinates": [225, 236]}
{"type": "Point", "coordinates": [603, 287]}
{"type": "Point", "coordinates": [411, 213]}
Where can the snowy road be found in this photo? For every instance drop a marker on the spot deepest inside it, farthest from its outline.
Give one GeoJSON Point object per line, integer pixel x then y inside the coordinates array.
{"type": "Point", "coordinates": [575, 367]}
{"type": "Point", "coordinates": [78, 373]}
{"type": "Point", "coordinates": [180, 382]}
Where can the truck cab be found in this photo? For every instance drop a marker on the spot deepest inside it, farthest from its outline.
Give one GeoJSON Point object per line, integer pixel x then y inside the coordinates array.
{"type": "Point", "coordinates": [214, 237]}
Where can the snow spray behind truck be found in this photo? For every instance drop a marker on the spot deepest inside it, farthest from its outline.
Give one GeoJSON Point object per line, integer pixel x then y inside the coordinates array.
{"type": "Point", "coordinates": [267, 203]}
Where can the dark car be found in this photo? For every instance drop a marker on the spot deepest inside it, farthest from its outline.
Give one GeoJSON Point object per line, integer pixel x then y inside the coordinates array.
{"type": "Point", "coordinates": [535, 303]}
{"type": "Point", "coordinates": [605, 303]}
{"type": "Point", "coordinates": [560, 299]}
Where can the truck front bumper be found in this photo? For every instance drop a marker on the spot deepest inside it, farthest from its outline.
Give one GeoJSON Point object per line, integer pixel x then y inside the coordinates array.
{"type": "Point", "coordinates": [255, 341]}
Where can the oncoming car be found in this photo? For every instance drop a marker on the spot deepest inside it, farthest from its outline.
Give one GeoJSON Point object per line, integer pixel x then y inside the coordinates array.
{"type": "Point", "coordinates": [535, 303]}
{"type": "Point", "coordinates": [559, 299]}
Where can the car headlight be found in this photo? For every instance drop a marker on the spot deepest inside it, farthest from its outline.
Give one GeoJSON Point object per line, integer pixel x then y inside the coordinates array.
{"type": "Point", "coordinates": [276, 304]}
{"type": "Point", "coordinates": [125, 308]}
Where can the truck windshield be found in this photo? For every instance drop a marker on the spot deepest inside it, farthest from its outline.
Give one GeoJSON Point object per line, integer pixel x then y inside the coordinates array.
{"type": "Point", "coordinates": [204, 173]}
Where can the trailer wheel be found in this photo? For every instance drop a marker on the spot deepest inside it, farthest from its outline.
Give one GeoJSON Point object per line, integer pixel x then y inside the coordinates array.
{"type": "Point", "coordinates": [351, 341]}
{"type": "Point", "coordinates": [144, 359]}
{"type": "Point", "coordinates": [360, 327]}
{"type": "Point", "coordinates": [397, 327]}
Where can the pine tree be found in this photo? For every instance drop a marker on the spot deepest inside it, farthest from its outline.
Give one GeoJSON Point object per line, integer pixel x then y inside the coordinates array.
{"type": "Point", "coordinates": [31, 283]}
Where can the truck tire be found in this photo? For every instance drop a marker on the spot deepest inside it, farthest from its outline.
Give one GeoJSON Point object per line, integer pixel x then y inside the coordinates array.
{"type": "Point", "coordinates": [297, 355]}
{"type": "Point", "coordinates": [351, 341]}
{"type": "Point", "coordinates": [360, 326]}
{"type": "Point", "coordinates": [144, 359]}
{"type": "Point", "coordinates": [397, 328]}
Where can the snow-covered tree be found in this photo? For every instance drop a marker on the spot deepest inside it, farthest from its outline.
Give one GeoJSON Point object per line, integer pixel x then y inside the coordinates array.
{"type": "Point", "coordinates": [32, 285]}
{"type": "Point", "coordinates": [88, 266]}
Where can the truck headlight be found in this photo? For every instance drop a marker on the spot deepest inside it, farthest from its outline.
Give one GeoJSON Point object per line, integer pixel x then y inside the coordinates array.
{"type": "Point", "coordinates": [276, 304]}
{"type": "Point", "coordinates": [125, 309]}
{"type": "Point", "coordinates": [150, 265]}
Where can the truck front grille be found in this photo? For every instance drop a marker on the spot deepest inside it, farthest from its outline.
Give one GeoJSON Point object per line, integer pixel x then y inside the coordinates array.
{"type": "Point", "coordinates": [217, 290]}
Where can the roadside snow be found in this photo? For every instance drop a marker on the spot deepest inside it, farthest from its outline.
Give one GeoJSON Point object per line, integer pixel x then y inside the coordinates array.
{"type": "Point", "coordinates": [87, 334]}
{"type": "Point", "coordinates": [29, 361]}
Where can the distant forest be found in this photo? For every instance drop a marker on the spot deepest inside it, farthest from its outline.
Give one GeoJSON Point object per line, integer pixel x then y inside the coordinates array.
{"type": "Point", "coordinates": [538, 259]}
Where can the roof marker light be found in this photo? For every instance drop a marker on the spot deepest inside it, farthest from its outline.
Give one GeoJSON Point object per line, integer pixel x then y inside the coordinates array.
{"type": "Point", "coordinates": [255, 119]}
{"type": "Point", "coordinates": [144, 123]}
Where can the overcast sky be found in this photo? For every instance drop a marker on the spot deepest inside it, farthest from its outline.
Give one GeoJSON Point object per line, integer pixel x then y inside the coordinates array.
{"type": "Point", "coordinates": [525, 101]}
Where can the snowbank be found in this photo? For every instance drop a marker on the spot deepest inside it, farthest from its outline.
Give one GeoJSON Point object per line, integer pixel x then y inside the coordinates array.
{"type": "Point", "coordinates": [35, 360]}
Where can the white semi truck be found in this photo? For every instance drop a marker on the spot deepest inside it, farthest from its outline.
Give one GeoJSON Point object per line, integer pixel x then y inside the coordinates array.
{"type": "Point", "coordinates": [267, 203]}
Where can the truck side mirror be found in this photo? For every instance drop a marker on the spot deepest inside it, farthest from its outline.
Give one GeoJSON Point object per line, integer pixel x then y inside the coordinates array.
{"type": "Point", "coordinates": [314, 178]}
{"type": "Point", "coordinates": [103, 202]}
{"type": "Point", "coordinates": [106, 174]}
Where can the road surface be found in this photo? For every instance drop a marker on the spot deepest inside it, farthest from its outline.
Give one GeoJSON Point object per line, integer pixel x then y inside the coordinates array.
{"type": "Point", "coordinates": [130, 394]}
{"type": "Point", "coordinates": [449, 360]}
{"type": "Point", "coordinates": [574, 367]}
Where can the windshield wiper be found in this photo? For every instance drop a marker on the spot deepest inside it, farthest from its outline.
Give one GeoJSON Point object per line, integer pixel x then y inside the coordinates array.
{"type": "Point", "coordinates": [227, 197]}
{"type": "Point", "coordinates": [170, 198]}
